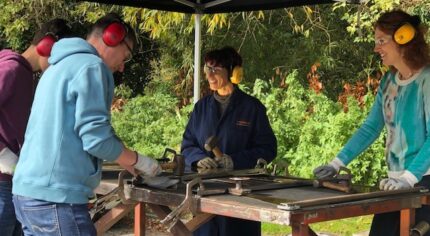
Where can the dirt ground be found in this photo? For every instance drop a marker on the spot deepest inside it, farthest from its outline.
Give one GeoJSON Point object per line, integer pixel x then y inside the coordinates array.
{"type": "Point", "coordinates": [124, 227]}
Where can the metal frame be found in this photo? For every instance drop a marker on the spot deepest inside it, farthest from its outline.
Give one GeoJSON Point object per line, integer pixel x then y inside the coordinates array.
{"type": "Point", "coordinates": [246, 208]}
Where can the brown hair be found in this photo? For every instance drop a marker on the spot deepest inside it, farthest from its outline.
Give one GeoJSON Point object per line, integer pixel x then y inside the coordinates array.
{"type": "Point", "coordinates": [415, 52]}
{"type": "Point", "coordinates": [58, 27]}
{"type": "Point", "coordinates": [226, 57]}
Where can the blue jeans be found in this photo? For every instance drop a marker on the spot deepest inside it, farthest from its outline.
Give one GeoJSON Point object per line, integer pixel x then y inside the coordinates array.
{"type": "Point", "coordinates": [8, 224]}
{"type": "Point", "coordinates": [47, 218]}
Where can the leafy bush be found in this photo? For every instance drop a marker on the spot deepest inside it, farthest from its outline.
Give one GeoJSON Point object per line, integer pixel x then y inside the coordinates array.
{"type": "Point", "coordinates": [311, 129]}
{"type": "Point", "coordinates": [149, 124]}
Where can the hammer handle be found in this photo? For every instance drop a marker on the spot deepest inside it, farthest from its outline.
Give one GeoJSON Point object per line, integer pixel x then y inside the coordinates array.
{"type": "Point", "coordinates": [217, 152]}
{"type": "Point", "coordinates": [168, 165]}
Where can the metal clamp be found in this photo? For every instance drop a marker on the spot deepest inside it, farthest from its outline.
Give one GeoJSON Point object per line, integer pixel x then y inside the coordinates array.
{"type": "Point", "coordinates": [238, 190]}
{"type": "Point", "coordinates": [174, 216]}
{"type": "Point", "coordinates": [120, 188]}
{"type": "Point", "coordinates": [261, 164]}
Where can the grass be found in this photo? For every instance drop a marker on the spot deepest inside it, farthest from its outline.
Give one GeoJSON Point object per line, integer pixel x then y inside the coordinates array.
{"type": "Point", "coordinates": [344, 227]}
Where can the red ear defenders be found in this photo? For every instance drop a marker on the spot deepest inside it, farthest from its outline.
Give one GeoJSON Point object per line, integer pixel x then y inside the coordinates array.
{"type": "Point", "coordinates": [114, 34]}
{"type": "Point", "coordinates": [44, 46]}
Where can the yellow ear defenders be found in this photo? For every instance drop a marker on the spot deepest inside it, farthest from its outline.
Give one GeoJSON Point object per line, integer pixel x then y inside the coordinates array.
{"type": "Point", "coordinates": [404, 33]}
{"type": "Point", "coordinates": [236, 75]}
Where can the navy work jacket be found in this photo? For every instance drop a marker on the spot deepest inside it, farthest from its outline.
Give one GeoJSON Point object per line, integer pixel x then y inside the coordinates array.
{"type": "Point", "coordinates": [243, 131]}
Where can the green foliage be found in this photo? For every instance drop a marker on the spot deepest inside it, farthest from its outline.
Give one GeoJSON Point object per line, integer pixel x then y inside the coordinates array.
{"type": "Point", "coordinates": [286, 109]}
{"type": "Point", "coordinates": [149, 124]}
{"type": "Point", "coordinates": [311, 129]}
{"type": "Point", "coordinates": [344, 227]}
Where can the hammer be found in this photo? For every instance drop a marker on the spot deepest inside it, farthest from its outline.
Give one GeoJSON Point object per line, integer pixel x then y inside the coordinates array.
{"type": "Point", "coordinates": [211, 145]}
{"type": "Point", "coordinates": [177, 164]}
{"type": "Point", "coordinates": [330, 184]}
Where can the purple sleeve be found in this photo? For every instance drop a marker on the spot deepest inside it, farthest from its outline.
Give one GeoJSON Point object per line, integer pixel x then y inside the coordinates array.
{"type": "Point", "coordinates": [7, 71]}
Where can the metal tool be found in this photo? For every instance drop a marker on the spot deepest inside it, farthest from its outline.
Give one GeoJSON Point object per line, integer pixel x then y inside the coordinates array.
{"type": "Point", "coordinates": [211, 145]}
{"type": "Point", "coordinates": [110, 199]}
{"type": "Point", "coordinates": [340, 182]}
{"type": "Point", "coordinates": [220, 173]}
{"type": "Point", "coordinates": [238, 190]}
{"type": "Point", "coordinates": [189, 201]}
{"type": "Point", "coordinates": [177, 165]}
{"type": "Point", "coordinates": [420, 229]}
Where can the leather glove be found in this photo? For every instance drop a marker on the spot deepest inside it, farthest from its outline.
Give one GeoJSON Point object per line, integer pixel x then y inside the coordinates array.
{"type": "Point", "coordinates": [404, 181]}
{"type": "Point", "coordinates": [226, 162]}
{"type": "Point", "coordinates": [8, 161]}
{"type": "Point", "coordinates": [147, 166]}
{"type": "Point", "coordinates": [207, 163]}
{"type": "Point", "coordinates": [329, 170]}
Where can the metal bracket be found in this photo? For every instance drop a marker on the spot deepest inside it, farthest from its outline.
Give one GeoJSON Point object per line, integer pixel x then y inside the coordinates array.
{"type": "Point", "coordinates": [120, 188]}
{"type": "Point", "coordinates": [174, 216]}
{"type": "Point", "coordinates": [238, 190]}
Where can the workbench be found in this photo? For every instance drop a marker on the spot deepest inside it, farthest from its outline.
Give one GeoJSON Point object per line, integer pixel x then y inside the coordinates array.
{"type": "Point", "coordinates": [313, 205]}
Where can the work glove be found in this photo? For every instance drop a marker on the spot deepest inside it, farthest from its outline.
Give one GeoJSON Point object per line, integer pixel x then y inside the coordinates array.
{"type": "Point", "coordinates": [329, 170]}
{"type": "Point", "coordinates": [226, 162]}
{"type": "Point", "coordinates": [404, 181]}
{"type": "Point", "coordinates": [8, 161]}
{"type": "Point", "coordinates": [161, 182]}
{"type": "Point", "coordinates": [207, 163]}
{"type": "Point", "coordinates": [147, 166]}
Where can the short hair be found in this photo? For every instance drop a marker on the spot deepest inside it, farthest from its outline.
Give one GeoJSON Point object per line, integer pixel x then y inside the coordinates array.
{"type": "Point", "coordinates": [105, 21]}
{"type": "Point", "coordinates": [58, 27]}
{"type": "Point", "coordinates": [226, 57]}
{"type": "Point", "coordinates": [416, 52]}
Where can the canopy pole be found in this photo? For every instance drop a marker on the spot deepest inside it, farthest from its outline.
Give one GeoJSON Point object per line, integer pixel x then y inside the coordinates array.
{"type": "Point", "coordinates": [197, 56]}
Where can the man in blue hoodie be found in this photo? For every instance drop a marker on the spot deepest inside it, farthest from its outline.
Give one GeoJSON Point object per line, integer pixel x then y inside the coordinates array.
{"type": "Point", "coordinates": [16, 95]}
{"type": "Point", "coordinates": [69, 132]}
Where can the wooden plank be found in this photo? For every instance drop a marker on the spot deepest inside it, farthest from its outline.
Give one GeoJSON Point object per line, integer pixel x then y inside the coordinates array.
{"type": "Point", "coordinates": [407, 220]}
{"type": "Point", "coordinates": [139, 219]}
{"type": "Point", "coordinates": [198, 220]}
{"type": "Point", "coordinates": [292, 205]}
{"type": "Point", "coordinates": [111, 217]}
{"type": "Point", "coordinates": [340, 211]}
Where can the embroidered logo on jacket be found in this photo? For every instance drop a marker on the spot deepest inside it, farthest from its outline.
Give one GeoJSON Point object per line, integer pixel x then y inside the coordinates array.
{"type": "Point", "coordinates": [243, 123]}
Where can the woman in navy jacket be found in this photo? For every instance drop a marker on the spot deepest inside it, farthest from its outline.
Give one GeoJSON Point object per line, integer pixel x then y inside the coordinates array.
{"type": "Point", "coordinates": [240, 123]}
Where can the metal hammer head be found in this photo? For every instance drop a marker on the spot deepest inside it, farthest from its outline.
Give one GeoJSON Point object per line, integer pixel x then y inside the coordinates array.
{"type": "Point", "coordinates": [211, 143]}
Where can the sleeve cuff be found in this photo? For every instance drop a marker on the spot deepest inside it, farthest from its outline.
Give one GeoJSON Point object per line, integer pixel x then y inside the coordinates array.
{"type": "Point", "coordinates": [409, 177]}
{"type": "Point", "coordinates": [337, 163]}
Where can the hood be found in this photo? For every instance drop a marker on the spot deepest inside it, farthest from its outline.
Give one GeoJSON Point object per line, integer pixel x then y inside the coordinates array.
{"type": "Point", "coordinates": [69, 46]}
{"type": "Point", "coordinates": [8, 54]}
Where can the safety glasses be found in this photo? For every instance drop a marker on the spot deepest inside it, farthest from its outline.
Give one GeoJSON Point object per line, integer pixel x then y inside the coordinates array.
{"type": "Point", "coordinates": [130, 56]}
{"type": "Point", "coordinates": [212, 69]}
{"type": "Point", "coordinates": [382, 41]}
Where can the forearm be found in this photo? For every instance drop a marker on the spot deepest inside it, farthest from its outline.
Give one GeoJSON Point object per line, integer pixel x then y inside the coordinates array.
{"type": "Point", "coordinates": [127, 157]}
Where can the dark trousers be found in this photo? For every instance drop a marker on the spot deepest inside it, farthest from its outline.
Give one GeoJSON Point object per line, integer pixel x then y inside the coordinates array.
{"type": "Point", "coordinates": [388, 224]}
{"type": "Point", "coordinates": [228, 226]}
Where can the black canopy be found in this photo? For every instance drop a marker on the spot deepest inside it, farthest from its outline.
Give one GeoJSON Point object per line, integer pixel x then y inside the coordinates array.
{"type": "Point", "coordinates": [214, 6]}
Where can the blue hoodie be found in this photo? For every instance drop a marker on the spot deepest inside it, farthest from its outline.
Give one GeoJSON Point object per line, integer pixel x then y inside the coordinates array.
{"type": "Point", "coordinates": [69, 133]}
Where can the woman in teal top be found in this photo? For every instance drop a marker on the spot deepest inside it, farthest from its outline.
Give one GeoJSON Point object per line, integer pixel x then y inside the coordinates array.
{"type": "Point", "coordinates": [403, 106]}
